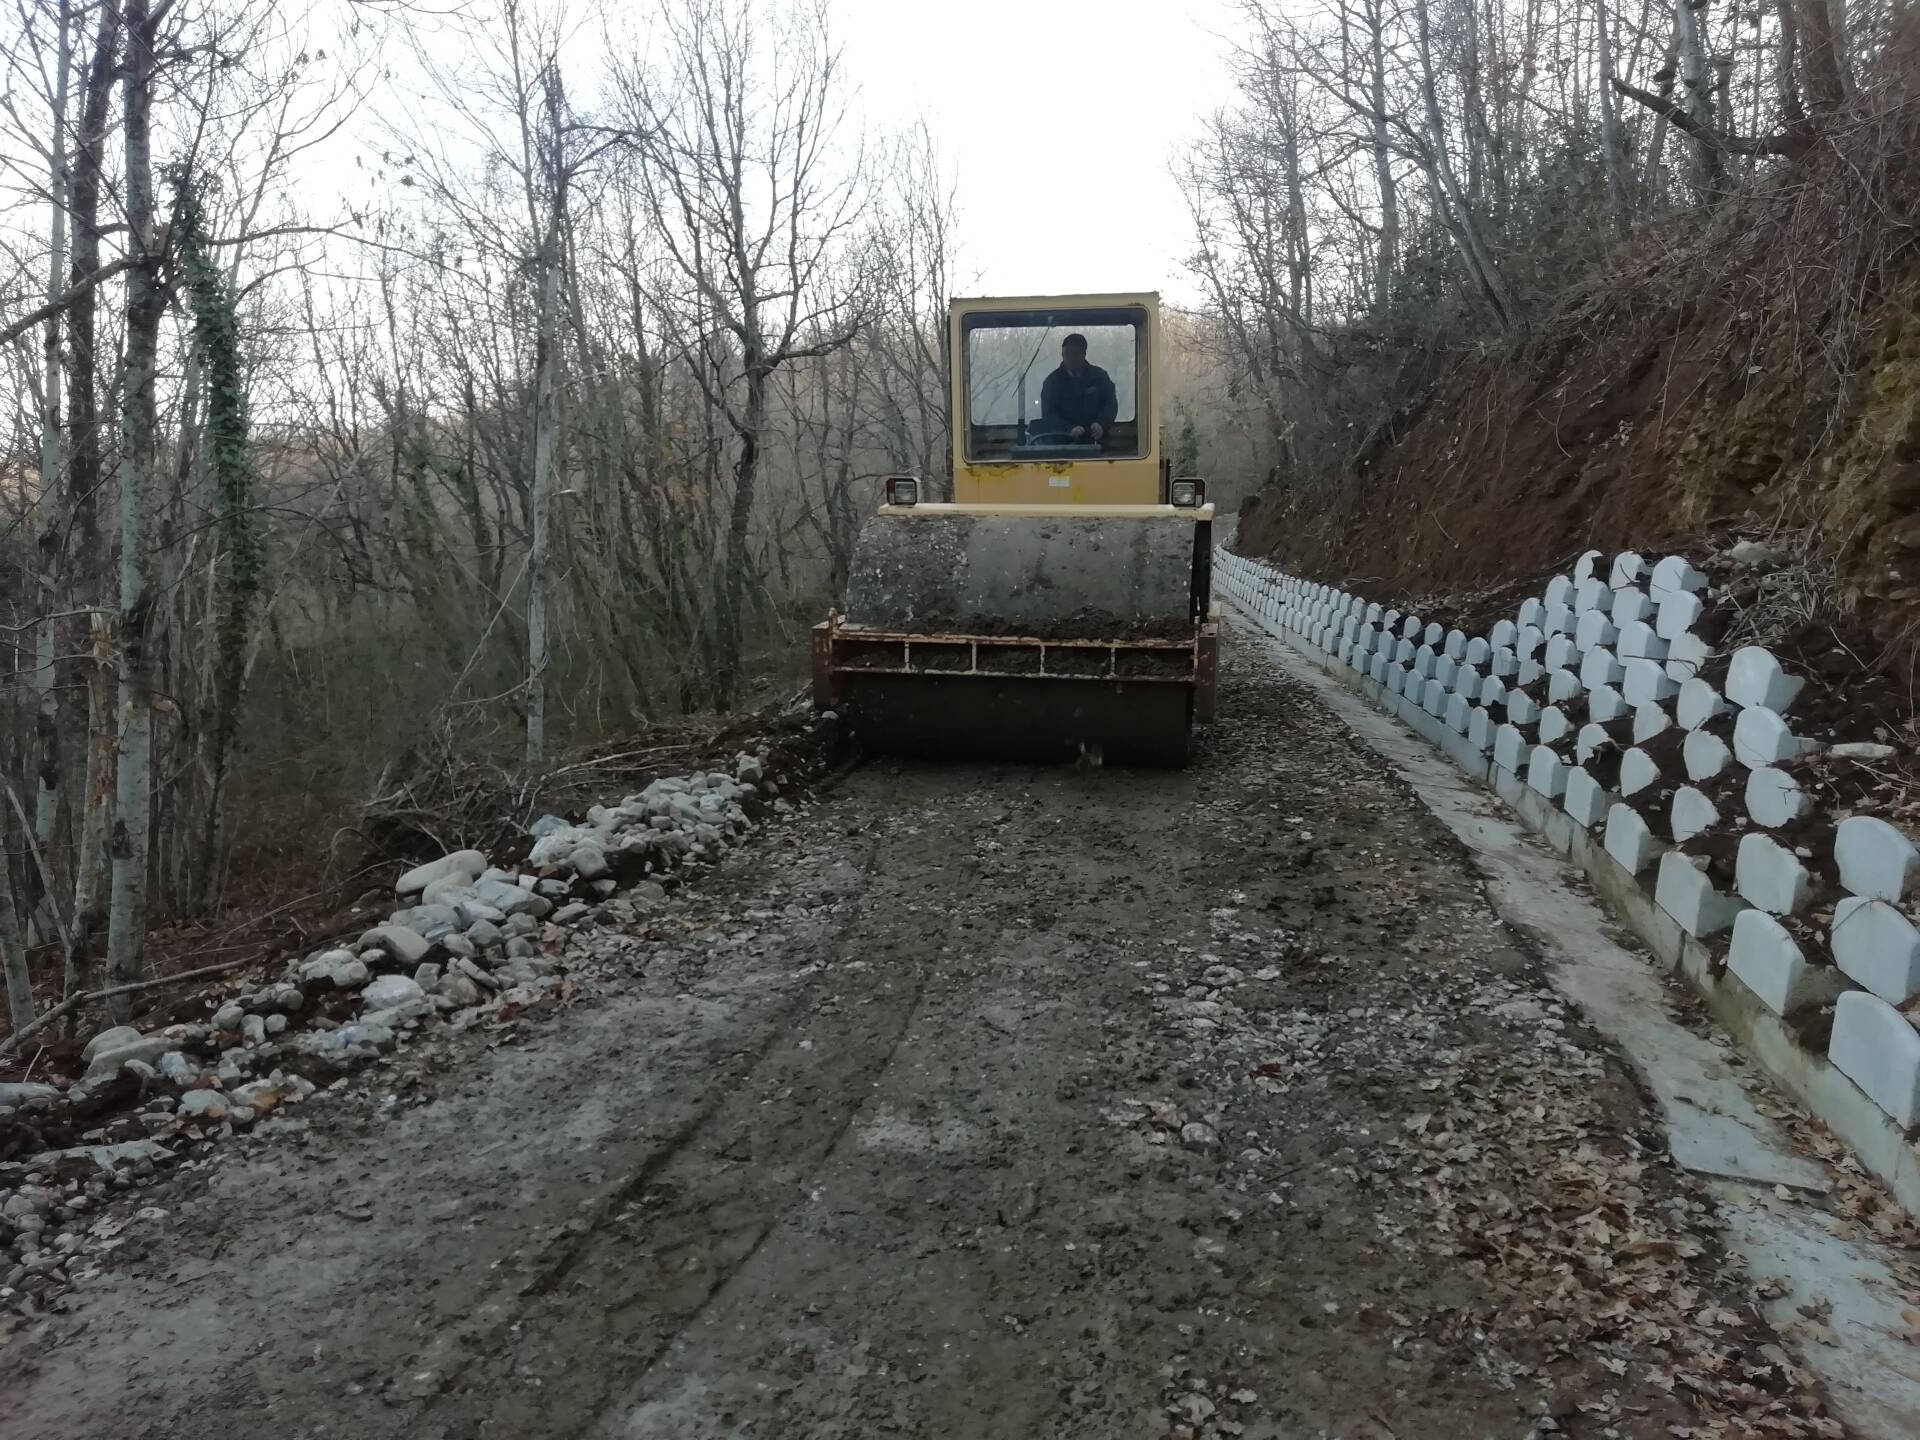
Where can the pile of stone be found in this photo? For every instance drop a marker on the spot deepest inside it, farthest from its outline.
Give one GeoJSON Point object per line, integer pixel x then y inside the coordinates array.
{"type": "Point", "coordinates": [1608, 707]}
{"type": "Point", "coordinates": [466, 940]}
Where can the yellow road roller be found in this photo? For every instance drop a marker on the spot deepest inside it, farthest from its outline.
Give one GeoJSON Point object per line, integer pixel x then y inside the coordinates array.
{"type": "Point", "coordinates": [1060, 606]}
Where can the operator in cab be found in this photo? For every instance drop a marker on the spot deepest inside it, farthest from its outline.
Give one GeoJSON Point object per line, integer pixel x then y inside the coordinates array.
{"type": "Point", "coordinates": [1078, 399]}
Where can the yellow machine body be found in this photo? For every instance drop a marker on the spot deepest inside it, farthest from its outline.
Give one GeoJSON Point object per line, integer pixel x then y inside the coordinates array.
{"type": "Point", "coordinates": [1060, 605]}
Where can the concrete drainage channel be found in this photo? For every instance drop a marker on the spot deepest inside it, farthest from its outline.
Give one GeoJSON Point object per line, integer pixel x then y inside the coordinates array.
{"type": "Point", "coordinates": [1769, 1190]}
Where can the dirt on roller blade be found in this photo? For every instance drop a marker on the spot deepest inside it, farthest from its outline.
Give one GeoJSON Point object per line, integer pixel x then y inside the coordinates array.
{"type": "Point", "coordinates": [991, 1101]}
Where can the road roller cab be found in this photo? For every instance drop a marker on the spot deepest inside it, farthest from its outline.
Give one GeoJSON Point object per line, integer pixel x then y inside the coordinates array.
{"type": "Point", "coordinates": [1060, 604]}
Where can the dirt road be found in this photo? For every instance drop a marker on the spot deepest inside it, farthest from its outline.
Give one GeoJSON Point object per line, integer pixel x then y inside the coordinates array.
{"type": "Point", "coordinates": [976, 1102]}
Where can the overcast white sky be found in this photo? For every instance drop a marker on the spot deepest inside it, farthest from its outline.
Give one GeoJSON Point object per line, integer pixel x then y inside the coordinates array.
{"type": "Point", "coordinates": [1013, 88]}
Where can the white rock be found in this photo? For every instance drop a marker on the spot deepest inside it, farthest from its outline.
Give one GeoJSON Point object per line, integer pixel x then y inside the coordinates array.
{"type": "Point", "coordinates": [1647, 683]}
{"type": "Point", "coordinates": [208, 1105]}
{"type": "Point", "coordinates": [1554, 725]}
{"type": "Point", "coordinates": [1605, 703]}
{"type": "Point", "coordinates": [1686, 657]}
{"type": "Point", "coordinates": [390, 991]}
{"type": "Point", "coordinates": [1697, 703]}
{"type": "Point", "coordinates": [1769, 876]}
{"type": "Point", "coordinates": [406, 945]}
{"type": "Point", "coordinates": [1755, 677]}
{"type": "Point", "coordinates": [1761, 738]}
{"type": "Point", "coordinates": [1774, 798]}
{"type": "Point", "coordinates": [1594, 631]}
{"type": "Point", "coordinates": [1509, 749]}
{"type": "Point", "coordinates": [1649, 721]}
{"type": "Point", "coordinates": [1584, 799]}
{"type": "Point", "coordinates": [109, 1039]}
{"type": "Point", "coordinates": [1678, 614]}
{"type": "Point", "coordinates": [1687, 895]}
{"type": "Point", "coordinates": [1874, 1046]}
{"type": "Point", "coordinates": [1591, 741]}
{"type": "Point", "coordinates": [1674, 574]}
{"type": "Point", "coordinates": [1766, 959]}
{"type": "Point", "coordinates": [466, 863]}
{"type": "Point", "coordinates": [1691, 814]}
{"type": "Point", "coordinates": [1875, 859]}
{"type": "Point", "coordinates": [1600, 667]}
{"type": "Point", "coordinates": [1876, 946]}
{"type": "Point", "coordinates": [1631, 605]}
{"type": "Point", "coordinates": [1637, 772]}
{"type": "Point", "coordinates": [1629, 840]}
{"type": "Point", "coordinates": [1546, 772]}
{"type": "Point", "coordinates": [1638, 641]}
{"type": "Point", "coordinates": [1862, 750]}
{"type": "Point", "coordinates": [1705, 755]}
{"type": "Point", "coordinates": [1627, 570]}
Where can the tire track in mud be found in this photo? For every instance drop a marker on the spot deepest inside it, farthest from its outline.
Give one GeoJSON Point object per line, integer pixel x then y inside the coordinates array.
{"type": "Point", "coordinates": [590, 1325]}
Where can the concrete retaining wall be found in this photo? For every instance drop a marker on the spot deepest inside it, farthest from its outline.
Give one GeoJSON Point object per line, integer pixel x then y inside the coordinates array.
{"type": "Point", "coordinates": [1672, 775]}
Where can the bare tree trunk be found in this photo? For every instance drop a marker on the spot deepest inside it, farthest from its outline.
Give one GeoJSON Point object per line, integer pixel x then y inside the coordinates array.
{"type": "Point", "coordinates": [1388, 254]}
{"type": "Point", "coordinates": [537, 499]}
{"type": "Point", "coordinates": [146, 301]}
{"type": "Point", "coordinates": [1613, 145]}
{"type": "Point", "coordinates": [730, 593]}
{"type": "Point", "coordinates": [52, 530]}
{"type": "Point", "coordinates": [1697, 96]}
{"type": "Point", "coordinates": [1466, 228]}
{"type": "Point", "coordinates": [13, 949]}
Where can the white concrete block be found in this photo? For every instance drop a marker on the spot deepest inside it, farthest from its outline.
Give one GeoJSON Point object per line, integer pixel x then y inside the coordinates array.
{"type": "Point", "coordinates": [1477, 652]}
{"type": "Point", "coordinates": [1466, 681]}
{"type": "Point", "coordinates": [1774, 798]}
{"type": "Point", "coordinates": [1445, 667]}
{"type": "Point", "coordinates": [1697, 703]}
{"type": "Point", "coordinates": [1492, 691]}
{"type": "Point", "coordinates": [1560, 592]}
{"type": "Point", "coordinates": [1584, 799]}
{"type": "Point", "coordinates": [1554, 725]}
{"type": "Point", "coordinates": [1480, 728]}
{"type": "Point", "coordinates": [1646, 683]}
{"type": "Point", "coordinates": [1630, 606]}
{"type": "Point", "coordinates": [1591, 741]}
{"type": "Point", "coordinates": [1687, 895]}
{"type": "Point", "coordinates": [1560, 620]}
{"type": "Point", "coordinates": [1605, 703]}
{"type": "Point", "coordinates": [1761, 737]}
{"type": "Point", "coordinates": [1766, 959]}
{"type": "Point", "coordinates": [1875, 859]}
{"type": "Point", "coordinates": [1411, 629]}
{"type": "Point", "coordinates": [1649, 721]}
{"type": "Point", "coordinates": [1456, 644]}
{"type": "Point", "coordinates": [1374, 613]}
{"type": "Point", "coordinates": [1396, 679]}
{"type": "Point", "coordinates": [1564, 685]}
{"type": "Point", "coordinates": [1423, 662]}
{"type": "Point", "coordinates": [1404, 650]}
{"type": "Point", "coordinates": [1687, 657]}
{"type": "Point", "coordinates": [1528, 642]}
{"type": "Point", "coordinates": [1522, 709]}
{"type": "Point", "coordinates": [1756, 677]}
{"type": "Point", "coordinates": [1528, 671]}
{"type": "Point", "coordinates": [1344, 652]}
{"type": "Point", "coordinates": [1637, 772]}
{"type": "Point", "coordinates": [1677, 614]}
{"type": "Point", "coordinates": [1457, 711]}
{"type": "Point", "coordinates": [1769, 876]}
{"type": "Point", "coordinates": [1434, 635]}
{"type": "Point", "coordinates": [1378, 669]}
{"type": "Point", "coordinates": [1627, 569]}
{"type": "Point", "coordinates": [1874, 1046]}
{"type": "Point", "coordinates": [1434, 700]}
{"type": "Point", "coordinates": [1705, 755]}
{"type": "Point", "coordinates": [1503, 634]}
{"type": "Point", "coordinates": [1876, 946]}
{"type": "Point", "coordinates": [1532, 612]}
{"type": "Point", "coordinates": [1509, 748]}
{"type": "Point", "coordinates": [1639, 642]}
{"type": "Point", "coordinates": [1692, 813]}
{"type": "Point", "coordinates": [1502, 663]}
{"type": "Point", "coordinates": [1585, 566]}
{"type": "Point", "coordinates": [1594, 630]}
{"type": "Point", "coordinates": [1390, 621]}
{"type": "Point", "coordinates": [1562, 653]}
{"type": "Point", "coordinates": [1600, 666]}
{"type": "Point", "coordinates": [1546, 772]}
{"type": "Point", "coordinates": [1591, 597]}
{"type": "Point", "coordinates": [1674, 574]}
{"type": "Point", "coordinates": [1630, 840]}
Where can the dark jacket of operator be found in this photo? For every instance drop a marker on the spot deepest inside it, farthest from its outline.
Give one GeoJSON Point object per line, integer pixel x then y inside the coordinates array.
{"type": "Point", "coordinates": [1068, 399]}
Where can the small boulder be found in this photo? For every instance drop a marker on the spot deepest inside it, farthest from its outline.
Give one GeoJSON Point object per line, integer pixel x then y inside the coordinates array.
{"type": "Point", "coordinates": [391, 991]}
{"type": "Point", "coordinates": [462, 862]}
{"type": "Point", "coordinates": [208, 1105]}
{"type": "Point", "coordinates": [406, 945]}
{"type": "Point", "coordinates": [109, 1039]}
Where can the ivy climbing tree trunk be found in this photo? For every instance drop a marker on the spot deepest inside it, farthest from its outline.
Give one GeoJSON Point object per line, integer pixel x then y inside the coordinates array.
{"type": "Point", "coordinates": [216, 338]}
{"type": "Point", "coordinates": [146, 301]}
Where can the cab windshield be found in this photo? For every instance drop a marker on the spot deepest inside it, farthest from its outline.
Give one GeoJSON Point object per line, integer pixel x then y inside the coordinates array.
{"type": "Point", "coordinates": [1009, 358]}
